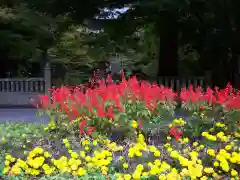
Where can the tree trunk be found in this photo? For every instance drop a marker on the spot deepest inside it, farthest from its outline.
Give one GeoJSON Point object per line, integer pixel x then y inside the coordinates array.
{"type": "Point", "coordinates": [168, 47]}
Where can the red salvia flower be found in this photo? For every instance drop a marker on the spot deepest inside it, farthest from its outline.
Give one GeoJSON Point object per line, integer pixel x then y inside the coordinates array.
{"type": "Point", "coordinates": [201, 108]}
{"type": "Point", "coordinates": [174, 131]}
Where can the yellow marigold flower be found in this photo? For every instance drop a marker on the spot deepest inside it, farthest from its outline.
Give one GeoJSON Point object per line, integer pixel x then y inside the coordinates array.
{"type": "Point", "coordinates": [82, 154]}
{"type": "Point", "coordinates": [234, 173]}
{"type": "Point", "coordinates": [174, 154]}
{"type": "Point", "coordinates": [121, 158]}
{"type": "Point", "coordinates": [228, 147]}
{"type": "Point", "coordinates": [209, 170]}
{"type": "Point", "coordinates": [15, 170]}
{"type": "Point", "coordinates": [167, 145]}
{"type": "Point", "coordinates": [169, 138]}
{"type": "Point", "coordinates": [120, 178]}
{"type": "Point", "coordinates": [157, 162]}
{"type": "Point", "coordinates": [138, 153]}
{"type": "Point", "coordinates": [215, 175]}
{"type": "Point", "coordinates": [224, 165]}
{"type": "Point", "coordinates": [204, 178]}
{"type": "Point", "coordinates": [6, 170]}
{"type": "Point", "coordinates": [139, 167]}
{"type": "Point", "coordinates": [136, 175]}
{"type": "Point", "coordinates": [38, 150]}
{"type": "Point", "coordinates": [65, 141]}
{"type": "Point", "coordinates": [195, 143]}
{"type": "Point", "coordinates": [162, 177]}
{"type": "Point", "coordinates": [211, 152]}
{"type": "Point", "coordinates": [186, 140]}
{"type": "Point", "coordinates": [67, 145]}
{"type": "Point", "coordinates": [204, 134]}
{"type": "Point", "coordinates": [7, 162]}
{"type": "Point", "coordinates": [90, 165]}
{"type": "Point", "coordinates": [216, 164]}
{"type": "Point", "coordinates": [130, 154]}
{"type": "Point", "coordinates": [134, 124]}
{"type": "Point", "coordinates": [74, 155]}
{"type": "Point", "coordinates": [47, 154]}
{"type": "Point", "coordinates": [95, 143]}
{"type": "Point", "coordinates": [81, 172]}
{"type": "Point", "coordinates": [211, 129]}
{"type": "Point", "coordinates": [218, 124]}
{"type": "Point", "coordinates": [199, 161]}
{"type": "Point", "coordinates": [88, 158]}
{"type": "Point", "coordinates": [125, 165]}
{"type": "Point", "coordinates": [220, 134]}
{"type": "Point", "coordinates": [3, 140]}
{"type": "Point", "coordinates": [157, 154]}
{"type": "Point", "coordinates": [127, 177]}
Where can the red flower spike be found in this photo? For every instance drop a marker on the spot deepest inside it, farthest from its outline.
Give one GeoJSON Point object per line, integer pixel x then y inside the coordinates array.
{"type": "Point", "coordinates": [201, 108]}
{"type": "Point", "coordinates": [174, 131]}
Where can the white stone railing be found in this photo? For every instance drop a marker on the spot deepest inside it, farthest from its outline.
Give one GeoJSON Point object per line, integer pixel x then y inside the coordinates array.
{"type": "Point", "coordinates": [22, 85]}
{"type": "Point", "coordinates": [176, 83]}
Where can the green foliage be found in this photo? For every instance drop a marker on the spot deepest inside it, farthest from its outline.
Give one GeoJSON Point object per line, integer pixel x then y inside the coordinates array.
{"type": "Point", "coordinates": [17, 137]}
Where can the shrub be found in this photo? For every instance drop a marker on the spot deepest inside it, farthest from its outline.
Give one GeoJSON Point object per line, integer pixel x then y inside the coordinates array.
{"type": "Point", "coordinates": [110, 106]}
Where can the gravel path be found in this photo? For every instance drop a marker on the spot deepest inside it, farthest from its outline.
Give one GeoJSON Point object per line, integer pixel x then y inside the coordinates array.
{"type": "Point", "coordinates": [21, 115]}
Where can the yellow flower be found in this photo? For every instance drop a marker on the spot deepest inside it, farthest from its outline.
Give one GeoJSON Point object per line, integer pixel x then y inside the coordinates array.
{"type": "Point", "coordinates": [121, 158]}
{"type": "Point", "coordinates": [186, 140]}
{"type": "Point", "coordinates": [47, 154]}
{"type": "Point", "coordinates": [6, 170]}
{"type": "Point", "coordinates": [162, 177]}
{"type": "Point", "coordinates": [134, 124]}
{"type": "Point", "coordinates": [136, 175]}
{"type": "Point", "coordinates": [88, 158]}
{"type": "Point", "coordinates": [216, 164]}
{"type": "Point", "coordinates": [157, 154]}
{"type": "Point", "coordinates": [169, 138]}
{"type": "Point", "coordinates": [125, 165]}
{"type": "Point", "coordinates": [234, 172]}
{"type": "Point", "coordinates": [228, 147]}
{"type": "Point", "coordinates": [15, 170]}
{"type": "Point", "coordinates": [65, 141]}
{"type": "Point", "coordinates": [195, 143]}
{"type": "Point", "coordinates": [127, 177]}
{"type": "Point", "coordinates": [211, 152]}
{"type": "Point", "coordinates": [204, 178]}
{"type": "Point", "coordinates": [174, 154]}
{"type": "Point", "coordinates": [209, 170]}
{"type": "Point", "coordinates": [7, 163]}
{"type": "Point", "coordinates": [38, 150]}
{"type": "Point", "coordinates": [3, 139]}
{"type": "Point", "coordinates": [95, 143]}
{"type": "Point", "coordinates": [157, 162]}
{"type": "Point", "coordinates": [81, 172]}
{"type": "Point", "coordinates": [82, 154]}
{"type": "Point", "coordinates": [74, 155]}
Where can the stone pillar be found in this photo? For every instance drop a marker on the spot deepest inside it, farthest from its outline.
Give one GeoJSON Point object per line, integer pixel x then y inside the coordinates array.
{"type": "Point", "coordinates": [208, 79]}
{"type": "Point", "coordinates": [47, 78]}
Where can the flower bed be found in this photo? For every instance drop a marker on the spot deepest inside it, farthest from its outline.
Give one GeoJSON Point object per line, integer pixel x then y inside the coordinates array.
{"type": "Point", "coordinates": [130, 131]}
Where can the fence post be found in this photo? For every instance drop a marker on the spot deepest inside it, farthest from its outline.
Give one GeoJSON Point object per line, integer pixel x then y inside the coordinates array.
{"type": "Point", "coordinates": [208, 79]}
{"type": "Point", "coordinates": [47, 78]}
